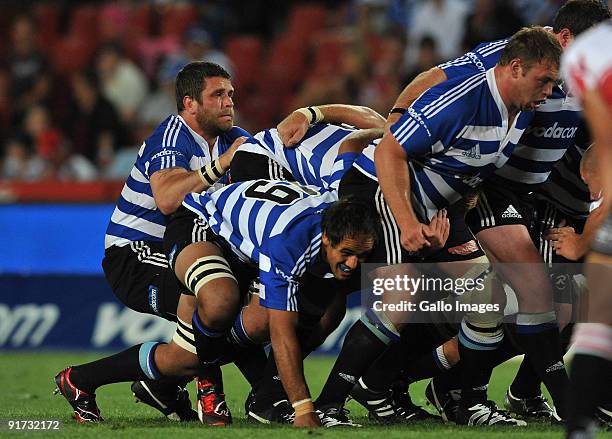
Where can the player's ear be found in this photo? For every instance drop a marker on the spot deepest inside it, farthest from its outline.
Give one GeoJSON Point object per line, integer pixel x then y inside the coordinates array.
{"type": "Point", "coordinates": [325, 239]}
{"type": "Point", "coordinates": [516, 68]}
{"type": "Point", "coordinates": [565, 37]}
{"type": "Point", "coordinates": [188, 104]}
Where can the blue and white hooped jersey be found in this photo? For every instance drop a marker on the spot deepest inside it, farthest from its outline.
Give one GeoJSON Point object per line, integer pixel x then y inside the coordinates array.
{"type": "Point", "coordinates": [455, 135]}
{"type": "Point", "coordinates": [565, 187]}
{"type": "Point", "coordinates": [172, 145]}
{"type": "Point", "coordinates": [314, 160]}
{"type": "Point", "coordinates": [273, 224]}
{"type": "Point", "coordinates": [549, 135]}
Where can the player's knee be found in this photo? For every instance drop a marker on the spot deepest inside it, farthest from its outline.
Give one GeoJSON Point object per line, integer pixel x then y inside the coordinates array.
{"type": "Point", "coordinates": [451, 351]}
{"type": "Point", "coordinates": [179, 357]}
{"type": "Point", "coordinates": [211, 280]}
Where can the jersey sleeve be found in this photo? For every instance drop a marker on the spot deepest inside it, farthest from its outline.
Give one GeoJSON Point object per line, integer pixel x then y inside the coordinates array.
{"type": "Point", "coordinates": [414, 135]}
{"type": "Point", "coordinates": [479, 60]}
{"type": "Point", "coordinates": [281, 264]}
{"type": "Point", "coordinates": [167, 153]}
{"type": "Point", "coordinates": [278, 290]}
{"type": "Point", "coordinates": [342, 164]}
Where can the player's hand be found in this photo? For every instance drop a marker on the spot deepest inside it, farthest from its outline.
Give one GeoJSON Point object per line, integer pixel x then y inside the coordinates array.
{"type": "Point", "coordinates": [566, 242]}
{"type": "Point", "coordinates": [439, 228]}
{"type": "Point", "coordinates": [391, 119]}
{"type": "Point", "coordinates": [307, 420]}
{"type": "Point", "coordinates": [413, 236]}
{"type": "Point", "coordinates": [227, 156]}
{"type": "Point", "coordinates": [292, 128]}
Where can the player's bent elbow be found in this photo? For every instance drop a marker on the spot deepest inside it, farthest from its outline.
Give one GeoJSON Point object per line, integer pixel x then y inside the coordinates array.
{"type": "Point", "coordinates": [167, 206]}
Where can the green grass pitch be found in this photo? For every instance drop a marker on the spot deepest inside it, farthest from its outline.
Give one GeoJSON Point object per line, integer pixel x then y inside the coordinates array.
{"type": "Point", "coordinates": [26, 383]}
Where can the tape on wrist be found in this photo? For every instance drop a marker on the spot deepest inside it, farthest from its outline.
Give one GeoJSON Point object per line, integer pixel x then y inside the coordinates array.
{"type": "Point", "coordinates": [303, 407]}
{"type": "Point", "coordinates": [397, 110]}
{"type": "Point", "coordinates": [210, 173]}
{"type": "Point", "coordinates": [313, 114]}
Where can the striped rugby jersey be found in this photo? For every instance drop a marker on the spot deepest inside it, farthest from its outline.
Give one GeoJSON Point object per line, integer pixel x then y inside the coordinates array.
{"type": "Point", "coordinates": [455, 135]}
{"type": "Point", "coordinates": [549, 135]}
{"type": "Point", "coordinates": [313, 161]}
{"type": "Point", "coordinates": [565, 188]}
{"type": "Point", "coordinates": [172, 145]}
{"type": "Point", "coordinates": [275, 225]}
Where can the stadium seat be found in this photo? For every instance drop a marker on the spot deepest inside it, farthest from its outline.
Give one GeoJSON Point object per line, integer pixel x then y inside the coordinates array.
{"type": "Point", "coordinates": [71, 53]}
{"type": "Point", "coordinates": [305, 19]}
{"type": "Point", "coordinates": [141, 17]}
{"type": "Point", "coordinates": [84, 22]}
{"type": "Point", "coordinates": [246, 55]}
{"type": "Point", "coordinates": [328, 48]}
{"type": "Point", "coordinates": [286, 62]}
{"type": "Point", "coordinates": [176, 19]}
{"type": "Point", "coordinates": [47, 16]}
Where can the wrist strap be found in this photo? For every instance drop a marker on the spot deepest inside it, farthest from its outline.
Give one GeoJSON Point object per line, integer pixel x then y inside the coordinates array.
{"type": "Point", "coordinates": [303, 407]}
{"type": "Point", "coordinates": [313, 114]}
{"type": "Point", "coordinates": [210, 173]}
{"type": "Point", "coordinates": [398, 110]}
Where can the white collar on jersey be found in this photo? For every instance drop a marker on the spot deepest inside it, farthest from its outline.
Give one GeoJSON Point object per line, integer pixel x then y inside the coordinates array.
{"type": "Point", "coordinates": [203, 143]}
{"type": "Point", "coordinates": [490, 75]}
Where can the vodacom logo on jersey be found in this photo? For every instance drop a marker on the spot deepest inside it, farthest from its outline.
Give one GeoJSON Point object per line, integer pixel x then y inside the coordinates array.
{"type": "Point", "coordinates": [553, 132]}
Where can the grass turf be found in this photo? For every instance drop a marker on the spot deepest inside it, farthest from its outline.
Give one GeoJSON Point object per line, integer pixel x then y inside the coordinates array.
{"type": "Point", "coordinates": [26, 380]}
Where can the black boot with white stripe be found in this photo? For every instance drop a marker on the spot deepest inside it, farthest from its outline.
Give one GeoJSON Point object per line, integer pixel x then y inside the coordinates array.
{"type": "Point", "coordinates": [384, 408]}
{"type": "Point", "coordinates": [486, 413]}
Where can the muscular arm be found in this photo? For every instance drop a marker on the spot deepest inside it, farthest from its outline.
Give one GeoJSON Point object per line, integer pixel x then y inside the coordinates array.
{"type": "Point", "coordinates": [293, 127]}
{"type": "Point", "coordinates": [417, 86]}
{"type": "Point", "coordinates": [358, 140]}
{"type": "Point", "coordinates": [169, 186]}
{"type": "Point", "coordinates": [288, 354]}
{"type": "Point", "coordinates": [355, 115]}
{"type": "Point", "coordinates": [394, 179]}
{"type": "Point", "coordinates": [572, 245]}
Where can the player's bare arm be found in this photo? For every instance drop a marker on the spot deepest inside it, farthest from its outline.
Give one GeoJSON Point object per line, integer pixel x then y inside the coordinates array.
{"type": "Point", "coordinates": [294, 126]}
{"type": "Point", "coordinates": [394, 179]}
{"type": "Point", "coordinates": [169, 186]}
{"type": "Point", "coordinates": [288, 356]}
{"type": "Point", "coordinates": [412, 91]}
{"type": "Point", "coordinates": [358, 140]}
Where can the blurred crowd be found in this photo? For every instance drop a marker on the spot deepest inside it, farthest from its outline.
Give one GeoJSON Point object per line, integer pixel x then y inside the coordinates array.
{"type": "Point", "coordinates": [83, 84]}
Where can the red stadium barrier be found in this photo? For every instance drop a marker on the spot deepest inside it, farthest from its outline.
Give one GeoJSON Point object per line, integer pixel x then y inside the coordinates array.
{"type": "Point", "coordinates": [62, 192]}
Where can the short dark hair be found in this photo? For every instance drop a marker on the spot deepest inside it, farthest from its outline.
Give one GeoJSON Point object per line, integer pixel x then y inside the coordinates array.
{"type": "Point", "coordinates": [190, 80]}
{"type": "Point", "coordinates": [579, 15]}
{"type": "Point", "coordinates": [532, 45]}
{"type": "Point", "coordinates": [350, 217]}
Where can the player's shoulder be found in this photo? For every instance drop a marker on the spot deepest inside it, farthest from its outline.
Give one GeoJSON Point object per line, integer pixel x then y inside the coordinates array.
{"type": "Point", "coordinates": [453, 95]}
{"type": "Point", "coordinates": [172, 132]}
{"type": "Point", "coordinates": [234, 132]}
{"type": "Point", "coordinates": [491, 47]}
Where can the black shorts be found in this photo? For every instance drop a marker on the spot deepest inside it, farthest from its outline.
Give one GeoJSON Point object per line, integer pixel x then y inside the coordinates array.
{"type": "Point", "coordinates": [560, 270]}
{"type": "Point", "coordinates": [461, 244]}
{"type": "Point", "coordinates": [498, 206]}
{"type": "Point", "coordinates": [185, 227]}
{"type": "Point", "coordinates": [247, 166]}
{"type": "Point", "coordinates": [140, 277]}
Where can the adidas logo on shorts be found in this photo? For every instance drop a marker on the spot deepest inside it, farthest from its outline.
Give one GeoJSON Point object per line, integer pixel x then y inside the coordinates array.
{"type": "Point", "coordinates": [511, 212]}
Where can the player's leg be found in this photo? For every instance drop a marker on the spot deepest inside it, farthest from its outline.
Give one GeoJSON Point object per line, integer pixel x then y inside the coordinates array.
{"type": "Point", "coordinates": [322, 306]}
{"type": "Point", "coordinates": [383, 389]}
{"type": "Point", "coordinates": [370, 335]}
{"type": "Point", "coordinates": [592, 363]}
{"type": "Point", "coordinates": [500, 222]}
{"type": "Point", "coordinates": [146, 361]}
